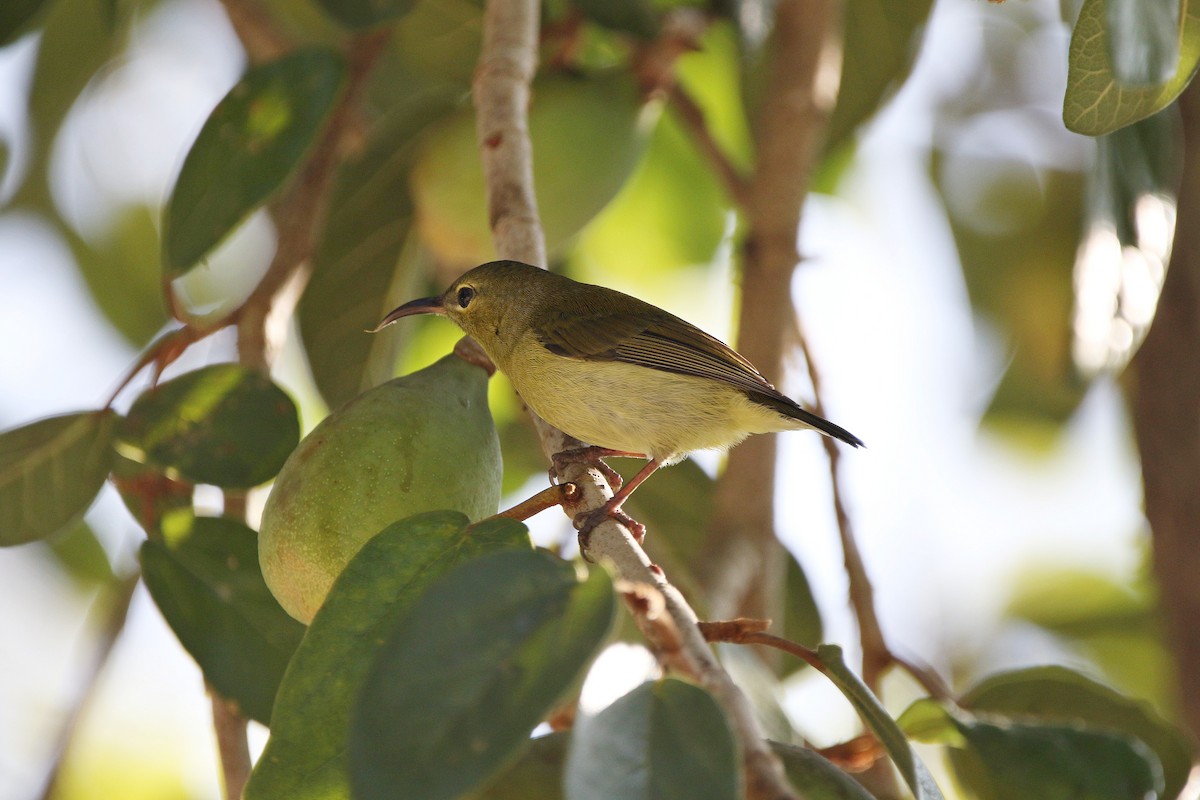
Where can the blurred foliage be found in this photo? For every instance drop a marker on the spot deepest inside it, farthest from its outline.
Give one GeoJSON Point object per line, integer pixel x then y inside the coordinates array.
{"type": "Point", "coordinates": [628, 197]}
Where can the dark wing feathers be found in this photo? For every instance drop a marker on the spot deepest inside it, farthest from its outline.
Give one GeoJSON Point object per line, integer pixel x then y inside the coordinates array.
{"type": "Point", "coordinates": [650, 337]}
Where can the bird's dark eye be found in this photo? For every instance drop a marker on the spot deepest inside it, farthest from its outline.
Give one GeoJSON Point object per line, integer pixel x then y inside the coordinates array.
{"type": "Point", "coordinates": [465, 294]}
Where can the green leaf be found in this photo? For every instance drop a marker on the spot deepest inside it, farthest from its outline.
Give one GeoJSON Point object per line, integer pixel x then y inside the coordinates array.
{"type": "Point", "coordinates": [881, 43]}
{"type": "Point", "coordinates": [1018, 761]}
{"type": "Point", "coordinates": [206, 581]}
{"type": "Point", "coordinates": [468, 672]}
{"type": "Point", "coordinates": [665, 739]}
{"type": "Point", "coordinates": [914, 772]}
{"type": "Point", "coordinates": [1095, 102]}
{"type": "Point", "coordinates": [1143, 40]}
{"type": "Point", "coordinates": [357, 275]}
{"type": "Point", "coordinates": [1139, 159]}
{"type": "Point", "coordinates": [16, 18]}
{"type": "Point", "coordinates": [81, 556]}
{"type": "Point", "coordinates": [223, 424]}
{"type": "Point", "coordinates": [365, 13]}
{"type": "Point", "coordinates": [815, 777]}
{"type": "Point", "coordinates": [50, 472]}
{"type": "Point", "coordinates": [250, 145]}
{"type": "Point", "coordinates": [305, 756]}
{"type": "Point", "coordinates": [1057, 694]}
{"type": "Point", "coordinates": [536, 775]}
{"type": "Point", "coordinates": [801, 615]}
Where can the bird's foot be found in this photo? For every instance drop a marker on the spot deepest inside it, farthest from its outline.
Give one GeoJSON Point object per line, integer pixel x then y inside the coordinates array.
{"type": "Point", "coordinates": [590, 456]}
{"type": "Point", "coordinates": [586, 522]}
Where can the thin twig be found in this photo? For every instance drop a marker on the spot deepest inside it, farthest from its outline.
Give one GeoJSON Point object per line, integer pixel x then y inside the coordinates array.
{"type": "Point", "coordinates": [876, 655]}
{"type": "Point", "coordinates": [692, 117]}
{"type": "Point", "coordinates": [501, 94]}
{"type": "Point", "coordinates": [230, 724]}
{"type": "Point", "coordinates": [549, 497]}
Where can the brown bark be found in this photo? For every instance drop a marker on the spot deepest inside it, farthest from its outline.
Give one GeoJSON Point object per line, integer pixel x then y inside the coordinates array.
{"type": "Point", "coordinates": [1165, 396]}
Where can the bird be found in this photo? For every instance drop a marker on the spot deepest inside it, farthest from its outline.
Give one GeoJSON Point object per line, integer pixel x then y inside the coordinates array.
{"type": "Point", "coordinates": [621, 375]}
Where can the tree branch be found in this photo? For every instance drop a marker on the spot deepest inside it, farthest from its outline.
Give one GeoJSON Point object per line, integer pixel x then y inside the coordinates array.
{"type": "Point", "coordinates": [1166, 417]}
{"type": "Point", "coordinates": [501, 95]}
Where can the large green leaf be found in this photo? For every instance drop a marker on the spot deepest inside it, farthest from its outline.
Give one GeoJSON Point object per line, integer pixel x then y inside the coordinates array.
{"type": "Point", "coordinates": [999, 758]}
{"type": "Point", "coordinates": [50, 472]}
{"type": "Point", "coordinates": [305, 756]}
{"type": "Point", "coordinates": [536, 775]}
{"type": "Point", "coordinates": [1096, 102]}
{"type": "Point", "coordinates": [1143, 40]}
{"type": "Point", "coordinates": [357, 272]}
{"type": "Point", "coordinates": [364, 13]}
{"type": "Point", "coordinates": [468, 672]}
{"type": "Point", "coordinates": [1059, 695]}
{"type": "Point", "coordinates": [881, 44]}
{"type": "Point", "coordinates": [912, 769]}
{"type": "Point", "coordinates": [223, 424]}
{"type": "Point", "coordinates": [665, 739]}
{"type": "Point", "coordinates": [250, 145]}
{"type": "Point", "coordinates": [206, 581]}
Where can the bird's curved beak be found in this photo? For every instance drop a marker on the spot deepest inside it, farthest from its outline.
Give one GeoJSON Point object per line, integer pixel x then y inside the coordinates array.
{"type": "Point", "coordinates": [424, 305]}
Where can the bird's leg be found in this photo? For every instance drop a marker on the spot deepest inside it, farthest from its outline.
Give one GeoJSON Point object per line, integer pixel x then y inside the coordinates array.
{"type": "Point", "coordinates": [591, 456]}
{"type": "Point", "coordinates": [588, 520]}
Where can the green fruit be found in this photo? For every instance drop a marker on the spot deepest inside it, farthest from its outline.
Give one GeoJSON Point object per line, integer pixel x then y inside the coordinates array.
{"type": "Point", "coordinates": [422, 442]}
{"type": "Point", "coordinates": [588, 134]}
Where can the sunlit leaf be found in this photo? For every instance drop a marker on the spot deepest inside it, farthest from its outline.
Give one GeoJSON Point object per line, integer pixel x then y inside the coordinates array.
{"type": "Point", "coordinates": [1059, 695]}
{"type": "Point", "coordinates": [249, 146]}
{"type": "Point", "coordinates": [50, 472]}
{"type": "Point", "coordinates": [305, 756]}
{"type": "Point", "coordinates": [81, 555]}
{"type": "Point", "coordinates": [357, 271]}
{"type": "Point", "coordinates": [912, 769]}
{"type": "Point", "coordinates": [206, 581]}
{"type": "Point", "coordinates": [815, 777]}
{"type": "Point", "coordinates": [665, 739]}
{"type": "Point", "coordinates": [468, 672]}
{"type": "Point", "coordinates": [881, 43]}
{"type": "Point", "coordinates": [364, 13]}
{"type": "Point", "coordinates": [1143, 40]}
{"type": "Point", "coordinates": [224, 424]}
{"type": "Point", "coordinates": [1096, 102]}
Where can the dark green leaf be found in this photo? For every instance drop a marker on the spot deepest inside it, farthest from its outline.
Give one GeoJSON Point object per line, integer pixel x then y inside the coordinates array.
{"type": "Point", "coordinates": [881, 43]}
{"type": "Point", "coordinates": [250, 145]}
{"type": "Point", "coordinates": [1060, 695]}
{"type": "Point", "coordinates": [16, 18]}
{"type": "Point", "coordinates": [816, 778]}
{"type": "Point", "coordinates": [665, 739]}
{"type": "Point", "coordinates": [801, 616]}
{"type": "Point", "coordinates": [1096, 103]}
{"type": "Point", "coordinates": [1143, 40]}
{"type": "Point", "coordinates": [357, 271]}
{"type": "Point", "coordinates": [536, 775]}
{"type": "Point", "coordinates": [1143, 158]}
{"type": "Point", "coordinates": [305, 756]}
{"type": "Point", "coordinates": [1018, 762]}
{"type": "Point", "coordinates": [50, 472]}
{"type": "Point", "coordinates": [632, 16]}
{"type": "Point", "coordinates": [364, 13]}
{"type": "Point", "coordinates": [206, 581]}
{"type": "Point", "coordinates": [224, 424]}
{"type": "Point", "coordinates": [468, 672]}
{"type": "Point", "coordinates": [914, 772]}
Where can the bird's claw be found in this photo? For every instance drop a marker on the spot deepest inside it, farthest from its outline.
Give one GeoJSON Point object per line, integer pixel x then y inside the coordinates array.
{"type": "Point", "coordinates": [586, 521]}
{"type": "Point", "coordinates": [584, 455]}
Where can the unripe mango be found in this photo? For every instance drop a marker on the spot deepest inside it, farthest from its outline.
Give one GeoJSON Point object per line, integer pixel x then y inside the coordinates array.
{"type": "Point", "coordinates": [588, 134]}
{"type": "Point", "coordinates": [422, 442]}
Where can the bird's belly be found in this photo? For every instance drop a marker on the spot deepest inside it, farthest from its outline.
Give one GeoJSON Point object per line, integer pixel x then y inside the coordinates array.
{"type": "Point", "coordinates": [637, 409]}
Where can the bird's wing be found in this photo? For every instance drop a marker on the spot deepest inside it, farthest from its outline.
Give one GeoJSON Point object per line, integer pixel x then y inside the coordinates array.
{"type": "Point", "coordinates": [654, 340]}
{"type": "Point", "coordinates": [657, 340]}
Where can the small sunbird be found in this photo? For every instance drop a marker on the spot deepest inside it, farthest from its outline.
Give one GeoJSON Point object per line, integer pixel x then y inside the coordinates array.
{"type": "Point", "coordinates": [623, 376]}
